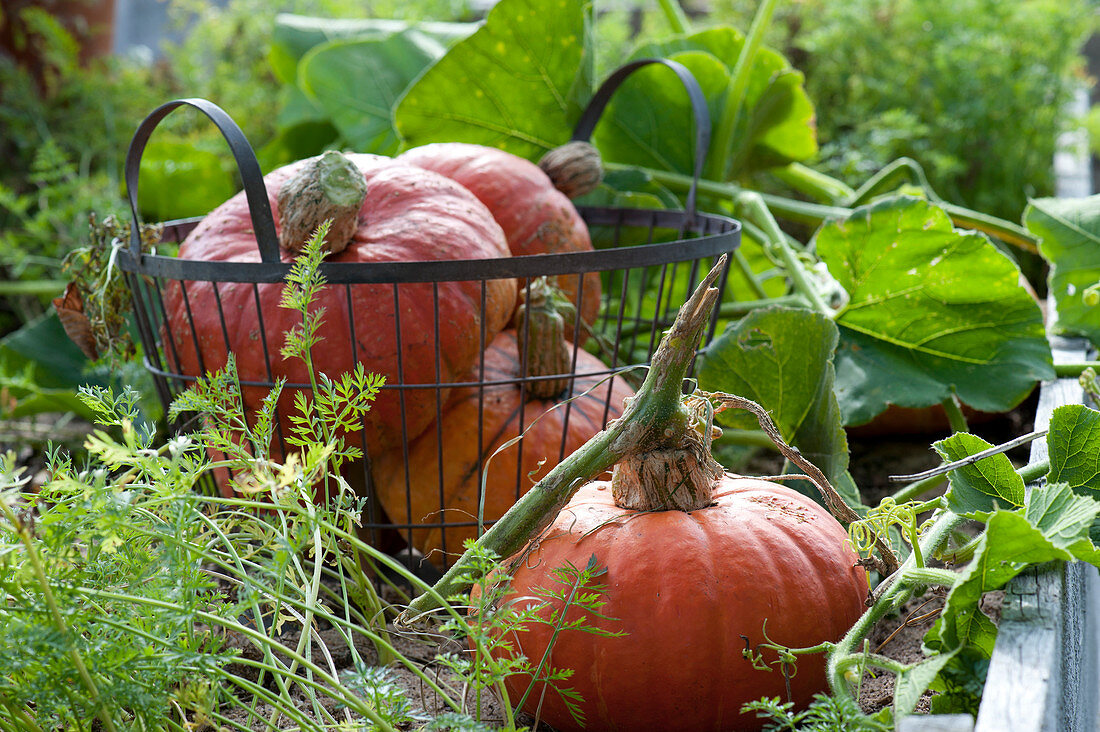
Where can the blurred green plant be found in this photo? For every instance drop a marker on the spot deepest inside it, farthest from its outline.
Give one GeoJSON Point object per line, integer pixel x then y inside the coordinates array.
{"type": "Point", "coordinates": [974, 90]}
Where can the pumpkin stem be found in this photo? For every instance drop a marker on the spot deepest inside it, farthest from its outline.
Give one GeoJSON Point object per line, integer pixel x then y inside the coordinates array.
{"type": "Point", "coordinates": [655, 419]}
{"type": "Point", "coordinates": [574, 168]}
{"type": "Point", "coordinates": [329, 186]}
{"type": "Point", "coordinates": [541, 320]}
{"type": "Point", "coordinates": [680, 479]}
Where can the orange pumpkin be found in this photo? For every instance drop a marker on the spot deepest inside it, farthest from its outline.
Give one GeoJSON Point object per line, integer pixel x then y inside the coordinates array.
{"type": "Point", "coordinates": [690, 590]}
{"type": "Point", "coordinates": [443, 482]}
{"type": "Point", "coordinates": [536, 217]}
{"type": "Point", "coordinates": [408, 214]}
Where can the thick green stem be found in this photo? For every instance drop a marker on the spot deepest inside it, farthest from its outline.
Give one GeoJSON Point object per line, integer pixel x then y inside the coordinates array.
{"type": "Point", "coordinates": [955, 417]}
{"type": "Point", "coordinates": [753, 207]}
{"type": "Point", "coordinates": [823, 188]}
{"type": "Point", "coordinates": [654, 418]}
{"type": "Point", "coordinates": [815, 214]}
{"type": "Point", "coordinates": [32, 287]}
{"type": "Point", "coordinates": [1074, 370]}
{"type": "Point", "coordinates": [919, 488]}
{"type": "Point", "coordinates": [725, 134]}
{"type": "Point", "coordinates": [890, 594]}
{"type": "Point", "coordinates": [675, 16]}
{"type": "Point", "coordinates": [739, 308]}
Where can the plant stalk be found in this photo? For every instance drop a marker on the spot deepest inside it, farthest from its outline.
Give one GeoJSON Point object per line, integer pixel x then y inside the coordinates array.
{"type": "Point", "coordinates": [753, 206]}
{"type": "Point", "coordinates": [655, 417]}
{"type": "Point", "coordinates": [823, 188]}
{"type": "Point", "coordinates": [955, 417]}
{"type": "Point", "coordinates": [1074, 370]}
{"type": "Point", "coordinates": [815, 214]}
{"type": "Point", "coordinates": [675, 16]}
{"type": "Point", "coordinates": [719, 165]}
{"type": "Point", "coordinates": [890, 594]}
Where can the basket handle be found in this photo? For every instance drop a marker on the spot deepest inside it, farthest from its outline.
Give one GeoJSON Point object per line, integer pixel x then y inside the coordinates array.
{"type": "Point", "coordinates": [591, 115]}
{"type": "Point", "coordinates": [259, 207]}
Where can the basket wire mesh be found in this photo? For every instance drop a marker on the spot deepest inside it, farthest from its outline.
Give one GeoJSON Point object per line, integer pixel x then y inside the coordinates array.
{"type": "Point", "coordinates": [648, 263]}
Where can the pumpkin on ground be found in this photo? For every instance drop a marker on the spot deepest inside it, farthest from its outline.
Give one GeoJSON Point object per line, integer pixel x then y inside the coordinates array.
{"type": "Point", "coordinates": [447, 460]}
{"type": "Point", "coordinates": [537, 218]}
{"type": "Point", "coordinates": [406, 214]}
{"type": "Point", "coordinates": [690, 590]}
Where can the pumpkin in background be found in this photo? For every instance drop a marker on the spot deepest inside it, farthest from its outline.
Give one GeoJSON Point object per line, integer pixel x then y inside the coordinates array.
{"type": "Point", "coordinates": [537, 218]}
{"type": "Point", "coordinates": [684, 587]}
{"type": "Point", "coordinates": [445, 462]}
{"type": "Point", "coordinates": [406, 214]}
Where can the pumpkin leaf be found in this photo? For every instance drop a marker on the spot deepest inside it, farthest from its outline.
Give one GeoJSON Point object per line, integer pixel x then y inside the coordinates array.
{"type": "Point", "coordinates": [1070, 232]}
{"type": "Point", "coordinates": [649, 120]}
{"type": "Point", "coordinates": [982, 487]}
{"type": "Point", "coordinates": [518, 83]}
{"type": "Point", "coordinates": [182, 179]}
{"type": "Point", "coordinates": [932, 312]}
{"type": "Point", "coordinates": [40, 370]}
{"type": "Point", "coordinates": [912, 683]}
{"type": "Point", "coordinates": [781, 358]}
{"type": "Point", "coordinates": [295, 35]}
{"type": "Point", "coordinates": [1053, 526]}
{"type": "Point", "coordinates": [357, 83]}
{"type": "Point", "coordinates": [1073, 448]}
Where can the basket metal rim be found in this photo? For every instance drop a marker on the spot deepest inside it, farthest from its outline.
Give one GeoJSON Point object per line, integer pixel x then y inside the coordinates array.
{"type": "Point", "coordinates": [718, 234]}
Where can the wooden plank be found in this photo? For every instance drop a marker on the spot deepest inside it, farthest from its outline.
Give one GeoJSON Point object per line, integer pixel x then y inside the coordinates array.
{"type": "Point", "coordinates": [1042, 676]}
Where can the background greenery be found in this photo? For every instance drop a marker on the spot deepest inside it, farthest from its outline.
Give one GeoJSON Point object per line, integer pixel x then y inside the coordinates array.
{"type": "Point", "coordinates": [888, 78]}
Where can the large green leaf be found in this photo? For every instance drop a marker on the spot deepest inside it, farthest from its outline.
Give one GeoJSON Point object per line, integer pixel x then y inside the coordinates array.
{"type": "Point", "coordinates": [40, 370]}
{"type": "Point", "coordinates": [932, 312]}
{"type": "Point", "coordinates": [1070, 232]}
{"type": "Point", "coordinates": [182, 179]}
{"type": "Point", "coordinates": [295, 35]}
{"type": "Point", "coordinates": [981, 487]}
{"type": "Point", "coordinates": [358, 82]}
{"type": "Point", "coordinates": [1073, 448]}
{"type": "Point", "coordinates": [781, 358]}
{"type": "Point", "coordinates": [518, 83]}
{"type": "Point", "coordinates": [649, 120]}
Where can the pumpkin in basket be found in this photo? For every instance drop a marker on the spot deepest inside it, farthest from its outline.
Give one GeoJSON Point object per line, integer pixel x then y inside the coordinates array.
{"type": "Point", "coordinates": [536, 216]}
{"type": "Point", "coordinates": [387, 212]}
{"type": "Point", "coordinates": [445, 464]}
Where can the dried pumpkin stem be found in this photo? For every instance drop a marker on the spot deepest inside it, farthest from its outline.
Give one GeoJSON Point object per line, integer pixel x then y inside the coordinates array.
{"type": "Point", "coordinates": [655, 418]}
{"type": "Point", "coordinates": [833, 501]}
{"type": "Point", "coordinates": [328, 187]}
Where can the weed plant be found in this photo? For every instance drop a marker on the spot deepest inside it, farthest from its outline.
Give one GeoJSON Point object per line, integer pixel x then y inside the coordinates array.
{"type": "Point", "coordinates": [136, 599]}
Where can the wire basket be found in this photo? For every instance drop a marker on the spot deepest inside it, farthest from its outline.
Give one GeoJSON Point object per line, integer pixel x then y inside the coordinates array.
{"type": "Point", "coordinates": [648, 263]}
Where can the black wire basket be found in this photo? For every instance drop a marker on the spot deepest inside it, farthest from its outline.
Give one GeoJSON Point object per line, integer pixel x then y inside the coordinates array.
{"type": "Point", "coordinates": [647, 262]}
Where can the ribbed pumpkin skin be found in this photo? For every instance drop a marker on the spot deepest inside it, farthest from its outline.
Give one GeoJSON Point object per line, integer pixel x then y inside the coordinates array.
{"type": "Point", "coordinates": [685, 587]}
{"type": "Point", "coordinates": [536, 217]}
{"type": "Point", "coordinates": [409, 215]}
{"type": "Point", "coordinates": [502, 413]}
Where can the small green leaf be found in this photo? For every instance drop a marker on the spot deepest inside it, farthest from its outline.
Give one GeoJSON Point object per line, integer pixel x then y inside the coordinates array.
{"type": "Point", "coordinates": [1073, 447]}
{"type": "Point", "coordinates": [980, 487]}
{"type": "Point", "coordinates": [518, 83]}
{"type": "Point", "coordinates": [912, 683]}
{"type": "Point", "coordinates": [1070, 232]}
{"type": "Point", "coordinates": [932, 312]}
